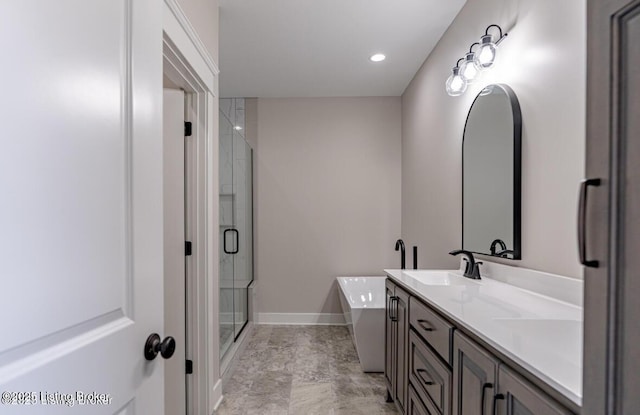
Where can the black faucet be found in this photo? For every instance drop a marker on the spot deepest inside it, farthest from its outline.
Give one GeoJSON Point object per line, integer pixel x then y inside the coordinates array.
{"type": "Point", "coordinates": [503, 249]}
{"type": "Point", "coordinates": [495, 242]}
{"type": "Point", "coordinates": [472, 268]}
{"type": "Point", "coordinates": [415, 257]}
{"type": "Point", "coordinates": [400, 247]}
{"type": "Point", "coordinates": [503, 254]}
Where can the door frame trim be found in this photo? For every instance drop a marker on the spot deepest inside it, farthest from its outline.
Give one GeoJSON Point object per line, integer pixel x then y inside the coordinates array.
{"type": "Point", "coordinates": [188, 64]}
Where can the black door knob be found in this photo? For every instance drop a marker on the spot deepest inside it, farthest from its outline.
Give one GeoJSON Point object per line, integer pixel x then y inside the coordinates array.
{"type": "Point", "coordinates": [153, 346]}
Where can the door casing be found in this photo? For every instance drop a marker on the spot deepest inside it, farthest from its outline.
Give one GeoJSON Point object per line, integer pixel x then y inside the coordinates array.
{"type": "Point", "coordinates": [188, 65]}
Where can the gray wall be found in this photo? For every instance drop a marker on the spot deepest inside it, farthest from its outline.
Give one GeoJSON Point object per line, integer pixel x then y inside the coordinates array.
{"type": "Point", "coordinates": [327, 197]}
{"type": "Point", "coordinates": [543, 60]}
{"type": "Point", "coordinates": [203, 15]}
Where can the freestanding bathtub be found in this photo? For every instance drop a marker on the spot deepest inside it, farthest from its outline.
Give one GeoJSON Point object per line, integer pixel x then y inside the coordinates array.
{"type": "Point", "coordinates": [362, 301]}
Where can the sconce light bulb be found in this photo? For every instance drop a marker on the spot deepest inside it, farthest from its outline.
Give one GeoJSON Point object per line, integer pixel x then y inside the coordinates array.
{"type": "Point", "coordinates": [468, 68]}
{"type": "Point", "coordinates": [486, 53]}
{"type": "Point", "coordinates": [456, 84]}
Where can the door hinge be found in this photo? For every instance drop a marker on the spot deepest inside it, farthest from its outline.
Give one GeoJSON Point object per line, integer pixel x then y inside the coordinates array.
{"type": "Point", "coordinates": [188, 129]}
{"type": "Point", "coordinates": [187, 248]}
{"type": "Point", "coordinates": [189, 367]}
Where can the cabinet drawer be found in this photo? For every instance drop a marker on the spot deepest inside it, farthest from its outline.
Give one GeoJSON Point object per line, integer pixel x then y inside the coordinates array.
{"type": "Point", "coordinates": [430, 378]}
{"type": "Point", "coordinates": [417, 407]}
{"type": "Point", "coordinates": [433, 328]}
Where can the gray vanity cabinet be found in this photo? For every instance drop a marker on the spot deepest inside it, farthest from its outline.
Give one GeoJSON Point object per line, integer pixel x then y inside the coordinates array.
{"type": "Point", "coordinates": [429, 376]}
{"type": "Point", "coordinates": [429, 358]}
{"type": "Point", "coordinates": [517, 396]}
{"type": "Point", "coordinates": [431, 368]}
{"type": "Point", "coordinates": [389, 338]}
{"type": "Point", "coordinates": [415, 406]}
{"type": "Point", "coordinates": [474, 377]}
{"type": "Point", "coordinates": [480, 381]}
{"type": "Point", "coordinates": [396, 331]}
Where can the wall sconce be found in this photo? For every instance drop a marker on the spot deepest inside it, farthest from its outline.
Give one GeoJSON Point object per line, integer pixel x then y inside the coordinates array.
{"type": "Point", "coordinates": [474, 62]}
{"type": "Point", "coordinates": [456, 84]}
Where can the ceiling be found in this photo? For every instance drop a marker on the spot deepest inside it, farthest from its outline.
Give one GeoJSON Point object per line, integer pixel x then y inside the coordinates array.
{"type": "Point", "coordinates": [321, 48]}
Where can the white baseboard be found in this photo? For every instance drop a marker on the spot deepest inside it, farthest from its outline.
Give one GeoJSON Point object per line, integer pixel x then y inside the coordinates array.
{"type": "Point", "coordinates": [319, 319]}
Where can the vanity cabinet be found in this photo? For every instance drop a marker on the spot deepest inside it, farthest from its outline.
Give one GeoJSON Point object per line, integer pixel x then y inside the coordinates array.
{"type": "Point", "coordinates": [517, 396]}
{"type": "Point", "coordinates": [429, 376]}
{"type": "Point", "coordinates": [480, 381]}
{"type": "Point", "coordinates": [396, 332]}
{"type": "Point", "coordinates": [474, 377]}
{"type": "Point", "coordinates": [432, 368]}
{"type": "Point", "coordinates": [430, 357]}
{"type": "Point", "coordinates": [415, 405]}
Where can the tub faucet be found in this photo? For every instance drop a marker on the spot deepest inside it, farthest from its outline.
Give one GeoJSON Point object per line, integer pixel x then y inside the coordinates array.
{"type": "Point", "coordinates": [472, 268]}
{"type": "Point", "coordinates": [400, 247]}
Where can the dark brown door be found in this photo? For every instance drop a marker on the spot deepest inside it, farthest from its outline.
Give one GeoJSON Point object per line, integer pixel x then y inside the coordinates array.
{"type": "Point", "coordinates": [612, 209]}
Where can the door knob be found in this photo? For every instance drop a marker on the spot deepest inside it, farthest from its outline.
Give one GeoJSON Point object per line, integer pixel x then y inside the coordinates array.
{"type": "Point", "coordinates": [153, 346]}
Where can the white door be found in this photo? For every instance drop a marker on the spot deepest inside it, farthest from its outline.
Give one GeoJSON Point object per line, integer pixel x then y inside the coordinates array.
{"type": "Point", "coordinates": [174, 247]}
{"type": "Point", "coordinates": [80, 206]}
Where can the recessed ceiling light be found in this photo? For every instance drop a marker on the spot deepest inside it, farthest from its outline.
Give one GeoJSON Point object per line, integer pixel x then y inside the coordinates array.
{"type": "Point", "coordinates": [378, 57]}
{"type": "Point", "coordinates": [237, 128]}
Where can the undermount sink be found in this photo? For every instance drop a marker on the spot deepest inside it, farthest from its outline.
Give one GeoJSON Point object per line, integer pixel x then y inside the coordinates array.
{"type": "Point", "coordinates": [436, 277]}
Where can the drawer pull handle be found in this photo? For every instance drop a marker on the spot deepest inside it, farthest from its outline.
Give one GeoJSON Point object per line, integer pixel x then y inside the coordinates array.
{"type": "Point", "coordinates": [423, 378]}
{"type": "Point", "coordinates": [425, 325]}
{"type": "Point", "coordinates": [484, 388]}
{"type": "Point", "coordinates": [495, 398]}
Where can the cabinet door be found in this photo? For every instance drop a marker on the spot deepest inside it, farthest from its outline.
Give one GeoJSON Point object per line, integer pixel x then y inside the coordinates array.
{"type": "Point", "coordinates": [416, 407]}
{"type": "Point", "coordinates": [402, 321]}
{"type": "Point", "coordinates": [474, 377]}
{"type": "Point", "coordinates": [612, 214]}
{"type": "Point", "coordinates": [389, 339]}
{"type": "Point", "coordinates": [519, 397]}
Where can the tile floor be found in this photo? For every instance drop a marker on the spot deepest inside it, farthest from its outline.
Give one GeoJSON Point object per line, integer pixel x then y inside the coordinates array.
{"type": "Point", "coordinates": [302, 370]}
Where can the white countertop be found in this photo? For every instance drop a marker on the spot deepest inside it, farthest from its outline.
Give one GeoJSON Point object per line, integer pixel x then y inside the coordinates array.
{"type": "Point", "coordinates": [540, 333]}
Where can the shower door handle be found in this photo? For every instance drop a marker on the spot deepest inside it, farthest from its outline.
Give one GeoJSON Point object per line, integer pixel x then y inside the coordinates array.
{"type": "Point", "coordinates": [224, 241]}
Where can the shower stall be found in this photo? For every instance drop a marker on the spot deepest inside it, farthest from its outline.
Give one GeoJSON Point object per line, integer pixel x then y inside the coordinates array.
{"type": "Point", "coordinates": [236, 222]}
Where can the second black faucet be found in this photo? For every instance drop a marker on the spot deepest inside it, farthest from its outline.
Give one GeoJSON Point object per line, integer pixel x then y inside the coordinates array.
{"type": "Point", "coordinates": [400, 247]}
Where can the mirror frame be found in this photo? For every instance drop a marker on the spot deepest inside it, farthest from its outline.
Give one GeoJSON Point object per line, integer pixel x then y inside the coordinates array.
{"type": "Point", "coordinates": [517, 171]}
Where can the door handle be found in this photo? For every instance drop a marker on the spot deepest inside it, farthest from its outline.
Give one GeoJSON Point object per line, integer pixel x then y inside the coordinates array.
{"type": "Point", "coordinates": [224, 241]}
{"type": "Point", "coordinates": [582, 222]}
{"type": "Point", "coordinates": [422, 377]}
{"type": "Point", "coordinates": [153, 346]}
{"type": "Point", "coordinates": [484, 389]}
{"type": "Point", "coordinates": [237, 241]}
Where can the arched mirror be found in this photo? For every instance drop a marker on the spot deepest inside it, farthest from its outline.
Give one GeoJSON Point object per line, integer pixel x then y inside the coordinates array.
{"type": "Point", "coordinates": [491, 174]}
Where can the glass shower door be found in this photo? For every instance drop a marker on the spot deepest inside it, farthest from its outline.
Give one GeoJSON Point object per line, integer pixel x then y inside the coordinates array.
{"type": "Point", "coordinates": [236, 222]}
{"type": "Point", "coordinates": [243, 212]}
{"type": "Point", "coordinates": [226, 224]}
